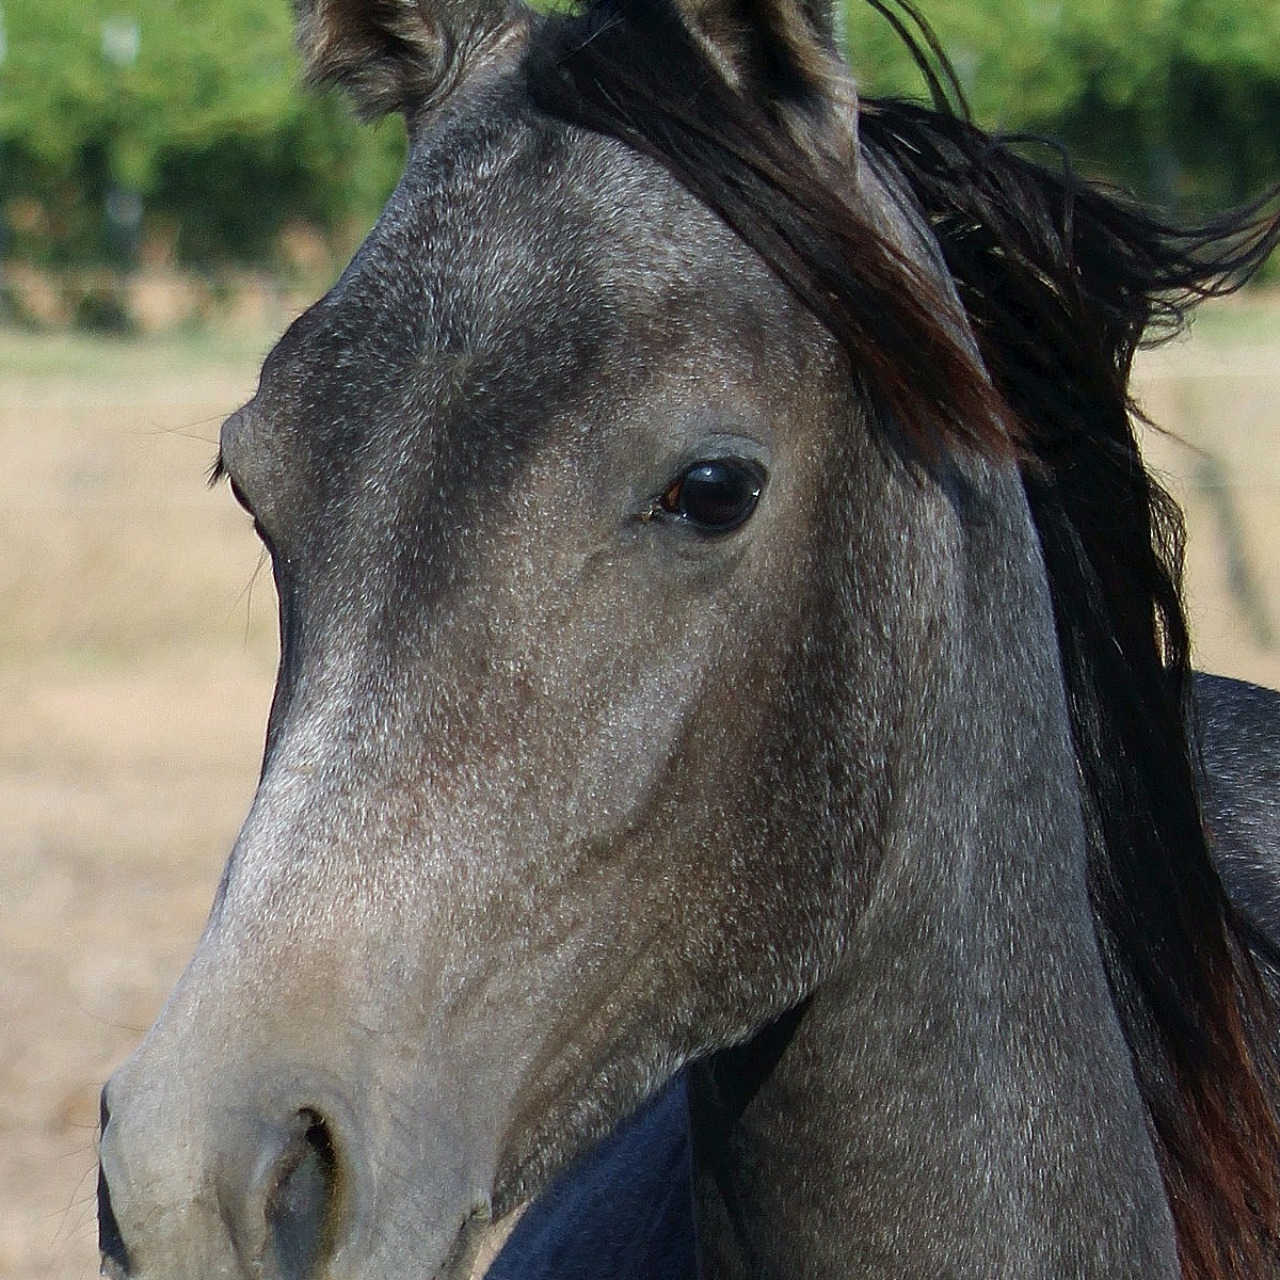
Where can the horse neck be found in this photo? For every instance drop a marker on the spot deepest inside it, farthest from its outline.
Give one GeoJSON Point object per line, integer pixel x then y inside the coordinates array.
{"type": "Point", "coordinates": [956, 1099]}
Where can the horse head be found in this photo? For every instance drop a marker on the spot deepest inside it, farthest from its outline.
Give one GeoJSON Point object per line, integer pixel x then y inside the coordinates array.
{"type": "Point", "coordinates": [669, 675]}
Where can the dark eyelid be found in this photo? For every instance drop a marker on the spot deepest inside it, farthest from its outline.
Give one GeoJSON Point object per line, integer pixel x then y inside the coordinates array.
{"type": "Point", "coordinates": [219, 472]}
{"type": "Point", "coordinates": [238, 494]}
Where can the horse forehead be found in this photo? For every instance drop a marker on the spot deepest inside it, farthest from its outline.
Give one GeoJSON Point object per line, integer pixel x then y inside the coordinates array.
{"type": "Point", "coordinates": [504, 225]}
{"type": "Point", "coordinates": [505, 236]}
{"type": "Point", "coordinates": [523, 261]}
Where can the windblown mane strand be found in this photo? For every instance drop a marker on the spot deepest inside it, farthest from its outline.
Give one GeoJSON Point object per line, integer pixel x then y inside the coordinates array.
{"type": "Point", "coordinates": [1060, 281]}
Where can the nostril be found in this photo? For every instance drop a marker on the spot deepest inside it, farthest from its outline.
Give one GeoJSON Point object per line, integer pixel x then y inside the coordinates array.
{"type": "Point", "coordinates": [115, 1258]}
{"type": "Point", "coordinates": [302, 1200]}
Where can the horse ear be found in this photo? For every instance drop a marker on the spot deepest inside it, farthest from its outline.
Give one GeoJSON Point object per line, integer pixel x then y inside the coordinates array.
{"type": "Point", "coordinates": [392, 55]}
{"type": "Point", "coordinates": [780, 50]}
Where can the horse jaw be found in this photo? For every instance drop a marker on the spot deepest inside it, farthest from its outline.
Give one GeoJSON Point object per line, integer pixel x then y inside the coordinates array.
{"type": "Point", "coordinates": [491, 1238]}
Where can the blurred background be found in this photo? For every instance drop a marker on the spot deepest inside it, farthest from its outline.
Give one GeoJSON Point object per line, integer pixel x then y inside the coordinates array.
{"type": "Point", "coordinates": [169, 135]}
{"type": "Point", "coordinates": [169, 199]}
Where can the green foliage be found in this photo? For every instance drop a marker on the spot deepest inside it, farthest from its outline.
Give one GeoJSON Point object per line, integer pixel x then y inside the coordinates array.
{"type": "Point", "coordinates": [187, 110]}
{"type": "Point", "coordinates": [1177, 99]}
{"type": "Point", "coordinates": [175, 129]}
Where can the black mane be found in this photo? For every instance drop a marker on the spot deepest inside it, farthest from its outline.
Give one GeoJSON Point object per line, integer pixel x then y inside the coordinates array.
{"type": "Point", "coordinates": [1060, 282]}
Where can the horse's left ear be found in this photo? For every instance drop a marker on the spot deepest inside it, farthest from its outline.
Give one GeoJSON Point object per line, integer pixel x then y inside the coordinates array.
{"type": "Point", "coordinates": [781, 51]}
{"type": "Point", "coordinates": [392, 55]}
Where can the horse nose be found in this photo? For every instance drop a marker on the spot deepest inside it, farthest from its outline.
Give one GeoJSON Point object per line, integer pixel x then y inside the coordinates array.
{"type": "Point", "coordinates": [293, 1203]}
{"type": "Point", "coordinates": [260, 1191]}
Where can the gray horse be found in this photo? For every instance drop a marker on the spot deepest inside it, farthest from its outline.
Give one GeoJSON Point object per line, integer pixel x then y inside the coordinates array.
{"type": "Point", "coordinates": [727, 630]}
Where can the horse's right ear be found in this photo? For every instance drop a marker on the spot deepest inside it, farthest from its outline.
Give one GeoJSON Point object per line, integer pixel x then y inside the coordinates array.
{"type": "Point", "coordinates": [771, 49]}
{"type": "Point", "coordinates": [392, 55]}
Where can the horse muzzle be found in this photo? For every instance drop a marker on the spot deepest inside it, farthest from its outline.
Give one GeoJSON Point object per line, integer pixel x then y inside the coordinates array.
{"type": "Point", "coordinates": [266, 1182]}
{"type": "Point", "coordinates": [271, 1182]}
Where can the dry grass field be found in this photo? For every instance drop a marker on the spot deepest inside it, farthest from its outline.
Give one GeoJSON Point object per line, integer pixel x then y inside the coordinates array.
{"type": "Point", "coordinates": [136, 658]}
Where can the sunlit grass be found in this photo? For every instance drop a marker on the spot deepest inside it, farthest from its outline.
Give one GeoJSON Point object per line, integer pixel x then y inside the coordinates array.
{"type": "Point", "coordinates": [1250, 318]}
{"type": "Point", "coordinates": [71, 354]}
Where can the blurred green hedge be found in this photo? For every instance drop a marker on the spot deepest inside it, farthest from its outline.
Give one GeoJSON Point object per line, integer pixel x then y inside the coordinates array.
{"type": "Point", "coordinates": [174, 131]}
{"type": "Point", "coordinates": [1178, 100]}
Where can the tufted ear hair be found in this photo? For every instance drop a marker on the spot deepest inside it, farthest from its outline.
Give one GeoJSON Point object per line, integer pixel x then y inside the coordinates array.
{"type": "Point", "coordinates": [393, 55]}
{"type": "Point", "coordinates": [786, 56]}
{"type": "Point", "coordinates": [779, 50]}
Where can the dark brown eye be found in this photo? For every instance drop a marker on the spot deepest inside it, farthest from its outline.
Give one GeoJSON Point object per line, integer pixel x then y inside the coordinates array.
{"type": "Point", "coordinates": [715, 495]}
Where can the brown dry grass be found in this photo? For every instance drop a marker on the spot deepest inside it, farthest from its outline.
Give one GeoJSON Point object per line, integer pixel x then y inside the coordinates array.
{"type": "Point", "coordinates": [135, 670]}
{"type": "Point", "coordinates": [134, 677]}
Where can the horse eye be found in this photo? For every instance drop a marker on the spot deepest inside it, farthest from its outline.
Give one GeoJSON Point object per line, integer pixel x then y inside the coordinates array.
{"type": "Point", "coordinates": [715, 495]}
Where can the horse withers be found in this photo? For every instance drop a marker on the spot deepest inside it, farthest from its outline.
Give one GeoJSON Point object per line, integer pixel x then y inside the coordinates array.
{"type": "Point", "coordinates": [726, 628]}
